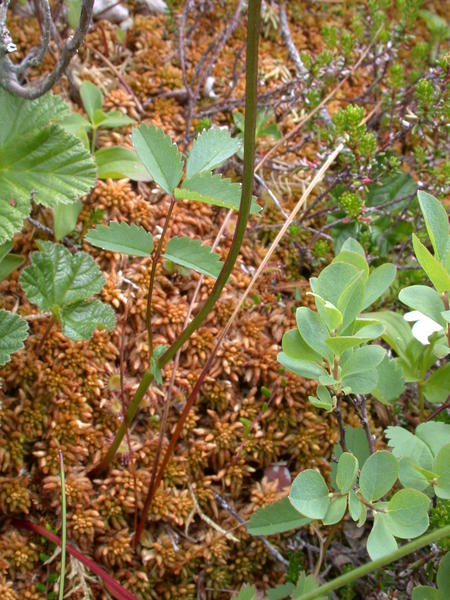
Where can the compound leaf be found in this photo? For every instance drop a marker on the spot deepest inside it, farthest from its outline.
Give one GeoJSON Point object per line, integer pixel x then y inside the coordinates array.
{"type": "Point", "coordinates": [192, 254]}
{"type": "Point", "coordinates": [159, 155]}
{"type": "Point", "coordinates": [276, 518]}
{"type": "Point", "coordinates": [210, 149]}
{"type": "Point", "coordinates": [13, 332]}
{"type": "Point", "coordinates": [122, 238]}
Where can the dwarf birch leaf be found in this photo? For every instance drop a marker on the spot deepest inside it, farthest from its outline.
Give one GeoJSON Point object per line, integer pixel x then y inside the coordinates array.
{"type": "Point", "coordinates": [426, 592]}
{"type": "Point", "coordinates": [380, 541]}
{"type": "Point", "coordinates": [13, 332]}
{"type": "Point", "coordinates": [309, 494]}
{"type": "Point", "coordinates": [215, 190]}
{"type": "Point", "coordinates": [336, 511]}
{"type": "Point", "coordinates": [347, 470]}
{"type": "Point", "coordinates": [408, 513]}
{"type": "Point", "coordinates": [378, 475]}
{"type": "Point", "coordinates": [122, 238]}
{"type": "Point", "coordinates": [436, 221]}
{"type": "Point", "coordinates": [56, 277]}
{"type": "Point", "coordinates": [159, 155]}
{"type": "Point", "coordinates": [276, 518]}
{"type": "Point", "coordinates": [441, 466]}
{"type": "Point", "coordinates": [192, 254]}
{"type": "Point", "coordinates": [209, 150]}
{"type": "Point", "coordinates": [80, 319]}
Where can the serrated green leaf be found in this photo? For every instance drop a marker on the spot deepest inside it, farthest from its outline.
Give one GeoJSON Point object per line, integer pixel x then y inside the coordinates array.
{"type": "Point", "coordinates": [248, 592]}
{"type": "Point", "coordinates": [379, 281]}
{"type": "Point", "coordinates": [443, 576]}
{"type": "Point", "coordinates": [74, 123]}
{"type": "Point", "coordinates": [209, 150]}
{"type": "Point", "coordinates": [390, 384]}
{"type": "Point", "coordinates": [380, 541]}
{"type": "Point", "coordinates": [406, 444]}
{"type": "Point", "coordinates": [122, 238]}
{"type": "Point", "coordinates": [79, 320]}
{"type": "Point", "coordinates": [347, 471]}
{"type": "Point", "coordinates": [336, 511]}
{"type": "Point", "coordinates": [65, 217]}
{"type": "Point", "coordinates": [408, 513]}
{"type": "Point", "coordinates": [441, 466]}
{"type": "Point", "coordinates": [13, 333]}
{"type": "Point", "coordinates": [10, 264]}
{"type": "Point", "coordinates": [118, 162]}
{"type": "Point", "coordinates": [436, 272]}
{"type": "Point", "coordinates": [436, 222]}
{"type": "Point", "coordinates": [424, 299]}
{"type": "Point", "coordinates": [378, 475]}
{"type": "Point", "coordinates": [436, 386]}
{"type": "Point", "coordinates": [159, 155]}
{"type": "Point", "coordinates": [5, 249]}
{"type": "Point", "coordinates": [192, 254]}
{"type": "Point", "coordinates": [276, 518]}
{"type": "Point", "coordinates": [112, 119]}
{"type": "Point", "coordinates": [281, 591]}
{"type": "Point", "coordinates": [305, 584]}
{"type": "Point", "coordinates": [92, 98]}
{"type": "Point", "coordinates": [56, 277]}
{"type": "Point", "coordinates": [435, 434]}
{"type": "Point", "coordinates": [215, 190]}
{"type": "Point", "coordinates": [309, 494]}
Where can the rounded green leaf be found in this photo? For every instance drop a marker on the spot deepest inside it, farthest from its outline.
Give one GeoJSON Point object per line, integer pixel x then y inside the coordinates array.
{"type": "Point", "coordinates": [435, 388]}
{"type": "Point", "coordinates": [409, 475]}
{"type": "Point", "coordinates": [379, 281]}
{"type": "Point", "coordinates": [309, 494]}
{"type": "Point", "coordinates": [276, 518]}
{"type": "Point", "coordinates": [426, 592]}
{"type": "Point", "coordinates": [81, 319]}
{"type": "Point", "coordinates": [92, 98]}
{"type": "Point", "coordinates": [314, 332]}
{"type": "Point", "coordinates": [192, 254]}
{"type": "Point", "coordinates": [441, 466]}
{"type": "Point", "coordinates": [436, 222]}
{"type": "Point", "coordinates": [294, 346]}
{"type": "Point", "coordinates": [121, 237]}
{"type": "Point", "coordinates": [406, 444]}
{"type": "Point", "coordinates": [378, 475]}
{"type": "Point", "coordinates": [13, 332]}
{"type": "Point", "coordinates": [347, 471]}
{"type": "Point", "coordinates": [443, 576]}
{"type": "Point", "coordinates": [303, 368]}
{"type": "Point", "coordinates": [117, 162]}
{"type": "Point", "coordinates": [408, 513]}
{"type": "Point", "coordinates": [355, 506]}
{"type": "Point", "coordinates": [435, 434]}
{"type": "Point", "coordinates": [424, 299]}
{"type": "Point", "coordinates": [336, 511]}
{"type": "Point", "coordinates": [380, 541]}
{"type": "Point", "coordinates": [390, 384]}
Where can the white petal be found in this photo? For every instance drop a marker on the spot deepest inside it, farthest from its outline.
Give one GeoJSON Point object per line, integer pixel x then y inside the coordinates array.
{"type": "Point", "coordinates": [414, 315]}
{"type": "Point", "coordinates": [424, 328]}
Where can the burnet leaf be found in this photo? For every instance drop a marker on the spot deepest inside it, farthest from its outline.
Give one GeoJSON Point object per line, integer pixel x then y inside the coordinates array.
{"type": "Point", "coordinates": [122, 238]}
{"type": "Point", "coordinates": [309, 494]}
{"type": "Point", "coordinates": [276, 518]}
{"type": "Point", "coordinates": [13, 332]}
{"type": "Point", "coordinates": [192, 254]}
{"type": "Point", "coordinates": [378, 475]}
{"type": "Point", "coordinates": [159, 155]}
{"type": "Point", "coordinates": [215, 190]}
{"type": "Point", "coordinates": [209, 150]}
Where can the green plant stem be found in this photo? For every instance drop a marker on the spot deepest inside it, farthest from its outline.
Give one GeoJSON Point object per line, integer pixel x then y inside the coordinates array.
{"type": "Point", "coordinates": [254, 10]}
{"type": "Point", "coordinates": [348, 578]}
{"type": "Point", "coordinates": [63, 528]}
{"type": "Point", "coordinates": [251, 97]}
{"type": "Point", "coordinates": [93, 139]}
{"type": "Point", "coordinates": [421, 402]}
{"type": "Point", "coordinates": [155, 260]}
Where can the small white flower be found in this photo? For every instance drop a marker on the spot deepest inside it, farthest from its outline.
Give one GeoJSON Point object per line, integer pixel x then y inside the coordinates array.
{"type": "Point", "coordinates": [423, 326]}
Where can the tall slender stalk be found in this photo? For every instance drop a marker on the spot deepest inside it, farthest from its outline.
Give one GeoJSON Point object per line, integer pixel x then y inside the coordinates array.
{"type": "Point", "coordinates": [251, 97]}
{"type": "Point", "coordinates": [347, 578]}
{"type": "Point", "coordinates": [254, 9]}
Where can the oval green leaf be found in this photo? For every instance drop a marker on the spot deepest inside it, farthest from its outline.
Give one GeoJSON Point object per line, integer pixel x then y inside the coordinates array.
{"type": "Point", "coordinates": [309, 494]}
{"type": "Point", "coordinates": [378, 475]}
